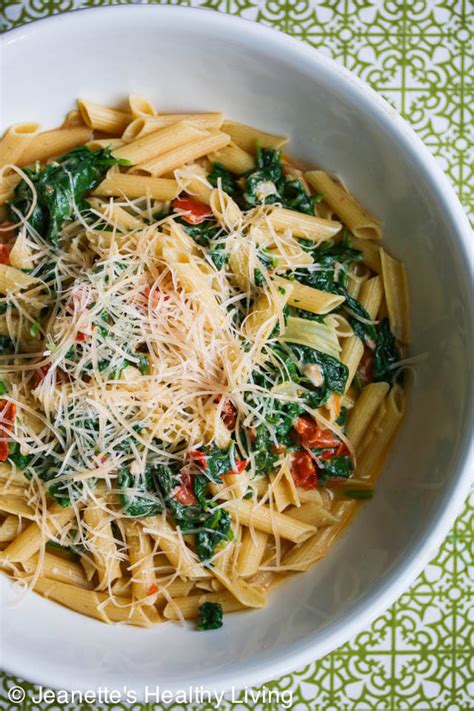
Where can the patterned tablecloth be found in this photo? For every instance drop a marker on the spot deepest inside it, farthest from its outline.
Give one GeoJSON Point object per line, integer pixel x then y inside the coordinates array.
{"type": "Point", "coordinates": [418, 55]}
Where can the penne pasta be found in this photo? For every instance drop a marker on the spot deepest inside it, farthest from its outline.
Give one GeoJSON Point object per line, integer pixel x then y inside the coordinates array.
{"type": "Point", "coordinates": [50, 144]}
{"type": "Point", "coordinates": [395, 284]}
{"type": "Point", "coordinates": [154, 144]}
{"type": "Point", "coordinates": [15, 141]}
{"type": "Point", "coordinates": [306, 226]}
{"type": "Point", "coordinates": [246, 137]}
{"type": "Point", "coordinates": [358, 220]}
{"type": "Point", "coordinates": [264, 519]}
{"type": "Point", "coordinates": [234, 159]}
{"type": "Point", "coordinates": [134, 186]}
{"type": "Point", "coordinates": [186, 153]}
{"type": "Point", "coordinates": [103, 118]}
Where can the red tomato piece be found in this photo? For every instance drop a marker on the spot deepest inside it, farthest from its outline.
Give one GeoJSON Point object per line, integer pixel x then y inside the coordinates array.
{"type": "Point", "coordinates": [184, 493]}
{"type": "Point", "coordinates": [40, 375]}
{"type": "Point", "coordinates": [240, 465]}
{"type": "Point", "coordinates": [191, 211]}
{"type": "Point", "coordinates": [7, 418]}
{"type": "Point", "coordinates": [304, 471]}
{"type": "Point", "coordinates": [311, 435]}
{"type": "Point", "coordinates": [152, 589]}
{"type": "Point", "coordinates": [7, 229]}
{"type": "Point", "coordinates": [81, 337]}
{"type": "Point", "coordinates": [229, 415]}
{"type": "Point", "coordinates": [4, 254]}
{"type": "Point", "coordinates": [198, 457]}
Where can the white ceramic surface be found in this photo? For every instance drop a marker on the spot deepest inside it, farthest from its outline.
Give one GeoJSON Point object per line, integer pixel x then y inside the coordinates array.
{"type": "Point", "coordinates": [197, 60]}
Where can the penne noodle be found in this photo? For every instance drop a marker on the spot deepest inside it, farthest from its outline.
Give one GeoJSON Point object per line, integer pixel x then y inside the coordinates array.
{"type": "Point", "coordinates": [188, 607]}
{"type": "Point", "coordinates": [140, 553]}
{"type": "Point", "coordinates": [264, 519]}
{"type": "Point", "coordinates": [246, 137]}
{"type": "Point", "coordinates": [30, 540]}
{"type": "Point", "coordinates": [310, 299]}
{"type": "Point", "coordinates": [56, 568]}
{"type": "Point", "coordinates": [15, 142]}
{"type": "Point", "coordinates": [50, 144]}
{"type": "Point", "coordinates": [185, 153]}
{"type": "Point", "coordinates": [103, 118]}
{"type": "Point", "coordinates": [302, 557]}
{"type": "Point", "coordinates": [135, 186]}
{"type": "Point", "coordinates": [154, 144]}
{"type": "Point", "coordinates": [395, 284]}
{"type": "Point", "coordinates": [141, 106]}
{"type": "Point", "coordinates": [358, 220]}
{"type": "Point", "coordinates": [305, 226]}
{"type": "Point", "coordinates": [234, 159]}
{"type": "Point", "coordinates": [252, 548]}
{"type": "Point", "coordinates": [363, 411]}
{"type": "Point", "coordinates": [96, 604]}
{"type": "Point", "coordinates": [374, 445]}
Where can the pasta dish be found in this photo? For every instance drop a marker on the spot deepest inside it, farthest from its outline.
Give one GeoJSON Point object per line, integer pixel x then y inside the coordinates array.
{"type": "Point", "coordinates": [201, 362]}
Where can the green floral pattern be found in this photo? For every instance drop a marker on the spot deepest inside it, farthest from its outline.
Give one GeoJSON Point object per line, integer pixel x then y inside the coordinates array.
{"type": "Point", "coordinates": [418, 55]}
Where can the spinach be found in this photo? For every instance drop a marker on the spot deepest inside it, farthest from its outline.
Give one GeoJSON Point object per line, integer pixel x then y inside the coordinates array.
{"type": "Point", "coordinates": [365, 331]}
{"type": "Point", "coordinates": [138, 495]}
{"type": "Point", "coordinates": [60, 187]}
{"type": "Point", "coordinates": [334, 372]}
{"type": "Point", "coordinates": [210, 616]}
{"type": "Point", "coordinates": [218, 461]}
{"type": "Point", "coordinates": [263, 450]}
{"type": "Point", "coordinates": [154, 490]}
{"type": "Point", "coordinates": [288, 365]}
{"type": "Point", "coordinates": [215, 529]}
{"type": "Point", "coordinates": [228, 181]}
{"type": "Point", "coordinates": [203, 233]}
{"type": "Point", "coordinates": [269, 173]}
{"type": "Point", "coordinates": [219, 255]}
{"type": "Point", "coordinates": [72, 551]}
{"type": "Point", "coordinates": [21, 461]}
{"type": "Point", "coordinates": [386, 354]}
{"type": "Point", "coordinates": [335, 467]}
{"type": "Point", "coordinates": [331, 260]}
{"type": "Point", "coordinates": [7, 347]}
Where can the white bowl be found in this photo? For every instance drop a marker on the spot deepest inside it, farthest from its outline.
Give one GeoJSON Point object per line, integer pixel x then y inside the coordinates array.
{"type": "Point", "coordinates": [196, 60]}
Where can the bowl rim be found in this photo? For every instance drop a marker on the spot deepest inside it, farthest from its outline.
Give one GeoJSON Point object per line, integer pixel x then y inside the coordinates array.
{"type": "Point", "coordinates": [395, 583]}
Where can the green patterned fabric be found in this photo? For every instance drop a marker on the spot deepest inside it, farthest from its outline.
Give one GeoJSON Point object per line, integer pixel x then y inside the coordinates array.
{"type": "Point", "coordinates": [418, 55]}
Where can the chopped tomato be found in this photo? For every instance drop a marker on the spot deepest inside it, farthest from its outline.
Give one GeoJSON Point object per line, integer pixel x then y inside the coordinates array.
{"type": "Point", "coordinates": [191, 211]}
{"type": "Point", "coordinates": [199, 457]}
{"type": "Point", "coordinates": [366, 365]}
{"type": "Point", "coordinates": [229, 415]}
{"type": "Point", "coordinates": [7, 229]}
{"type": "Point", "coordinates": [81, 337]}
{"type": "Point", "coordinates": [304, 471]}
{"type": "Point", "coordinates": [311, 435]}
{"type": "Point", "coordinates": [4, 254]}
{"type": "Point", "coordinates": [152, 589]}
{"type": "Point", "coordinates": [341, 451]}
{"type": "Point", "coordinates": [240, 465]}
{"type": "Point", "coordinates": [40, 375]}
{"type": "Point", "coordinates": [7, 418]}
{"type": "Point", "coordinates": [184, 493]}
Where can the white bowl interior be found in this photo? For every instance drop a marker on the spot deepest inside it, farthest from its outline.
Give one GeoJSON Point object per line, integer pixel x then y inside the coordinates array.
{"type": "Point", "coordinates": [188, 60]}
